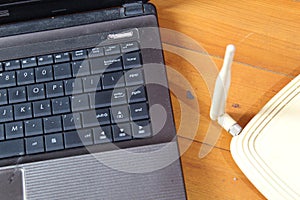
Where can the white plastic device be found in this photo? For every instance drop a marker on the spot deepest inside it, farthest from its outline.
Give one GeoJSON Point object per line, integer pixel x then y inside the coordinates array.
{"type": "Point", "coordinates": [267, 149]}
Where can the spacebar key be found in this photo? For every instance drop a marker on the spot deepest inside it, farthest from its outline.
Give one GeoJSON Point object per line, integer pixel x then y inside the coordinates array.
{"type": "Point", "coordinates": [12, 148]}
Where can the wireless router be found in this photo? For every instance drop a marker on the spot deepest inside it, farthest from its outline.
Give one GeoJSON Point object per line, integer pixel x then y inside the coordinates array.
{"type": "Point", "coordinates": [267, 149]}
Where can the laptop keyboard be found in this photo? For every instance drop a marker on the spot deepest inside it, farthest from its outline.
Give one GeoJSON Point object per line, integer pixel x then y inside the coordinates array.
{"type": "Point", "coordinates": [72, 99]}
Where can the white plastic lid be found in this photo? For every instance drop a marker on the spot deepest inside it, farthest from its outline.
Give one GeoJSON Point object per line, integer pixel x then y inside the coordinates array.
{"type": "Point", "coordinates": [268, 149]}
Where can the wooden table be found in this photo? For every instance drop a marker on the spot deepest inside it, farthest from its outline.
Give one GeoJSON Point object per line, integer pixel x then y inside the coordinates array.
{"type": "Point", "coordinates": [267, 37]}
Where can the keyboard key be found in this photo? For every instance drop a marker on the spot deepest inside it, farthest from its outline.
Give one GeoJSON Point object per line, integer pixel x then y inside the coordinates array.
{"type": "Point", "coordinates": [80, 68]}
{"type": "Point", "coordinates": [54, 142]}
{"type": "Point", "coordinates": [45, 60]}
{"type": "Point", "coordinates": [119, 114]}
{"type": "Point", "coordinates": [80, 102]}
{"type": "Point", "coordinates": [12, 148]}
{"type": "Point", "coordinates": [7, 79]}
{"type": "Point", "coordinates": [41, 108]}
{"type": "Point", "coordinates": [6, 113]}
{"type": "Point", "coordinates": [3, 97]}
{"type": "Point", "coordinates": [52, 124]}
{"type": "Point", "coordinates": [73, 86]}
{"type": "Point", "coordinates": [141, 129]}
{"type": "Point", "coordinates": [14, 130]}
{"type": "Point", "coordinates": [134, 77]}
{"type": "Point", "coordinates": [79, 55]}
{"type": "Point", "coordinates": [112, 49]}
{"type": "Point", "coordinates": [113, 80]}
{"type": "Point", "coordinates": [12, 65]}
{"type": "Point", "coordinates": [61, 57]}
{"type": "Point", "coordinates": [55, 89]}
{"type": "Point", "coordinates": [34, 145]}
{"type": "Point", "coordinates": [62, 71]}
{"type": "Point", "coordinates": [91, 83]}
{"type": "Point", "coordinates": [23, 111]}
{"type": "Point", "coordinates": [33, 127]}
{"type": "Point", "coordinates": [78, 138]}
{"type": "Point", "coordinates": [35, 92]}
{"type": "Point", "coordinates": [96, 52]}
{"type": "Point", "coordinates": [29, 62]}
{"type": "Point", "coordinates": [102, 134]}
{"type": "Point", "coordinates": [25, 76]}
{"type": "Point", "coordinates": [61, 105]}
{"type": "Point", "coordinates": [95, 117]}
{"type": "Point", "coordinates": [129, 46]}
{"type": "Point", "coordinates": [100, 99]}
{"type": "Point", "coordinates": [136, 94]}
{"type": "Point", "coordinates": [2, 133]}
{"type": "Point", "coordinates": [106, 64]}
{"type": "Point", "coordinates": [139, 111]}
{"type": "Point", "coordinates": [43, 74]}
{"type": "Point", "coordinates": [118, 97]}
{"type": "Point", "coordinates": [71, 121]}
{"type": "Point", "coordinates": [17, 95]}
{"type": "Point", "coordinates": [132, 60]}
{"type": "Point", "coordinates": [122, 132]}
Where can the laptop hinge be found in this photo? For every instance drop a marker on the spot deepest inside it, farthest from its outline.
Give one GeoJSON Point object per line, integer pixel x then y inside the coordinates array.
{"type": "Point", "coordinates": [133, 9]}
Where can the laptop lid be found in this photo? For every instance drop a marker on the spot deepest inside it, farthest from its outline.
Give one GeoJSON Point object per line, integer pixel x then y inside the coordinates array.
{"type": "Point", "coordinates": [17, 10]}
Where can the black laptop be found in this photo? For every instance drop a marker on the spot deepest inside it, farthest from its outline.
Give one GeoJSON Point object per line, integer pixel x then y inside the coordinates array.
{"type": "Point", "coordinates": [85, 110]}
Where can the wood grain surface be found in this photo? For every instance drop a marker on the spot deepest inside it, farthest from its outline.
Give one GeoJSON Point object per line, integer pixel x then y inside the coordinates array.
{"type": "Point", "coordinates": [267, 37]}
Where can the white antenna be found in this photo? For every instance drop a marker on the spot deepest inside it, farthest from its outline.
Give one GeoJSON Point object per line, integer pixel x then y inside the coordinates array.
{"type": "Point", "coordinates": [217, 111]}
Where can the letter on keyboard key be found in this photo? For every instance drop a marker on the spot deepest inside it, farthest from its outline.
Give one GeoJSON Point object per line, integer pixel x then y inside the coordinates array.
{"type": "Point", "coordinates": [6, 113]}
{"type": "Point", "coordinates": [55, 89]}
{"type": "Point", "coordinates": [54, 142]}
{"type": "Point", "coordinates": [14, 130]}
{"type": "Point", "coordinates": [41, 108]}
{"type": "Point", "coordinates": [17, 94]}
{"type": "Point", "coordinates": [12, 148]}
{"type": "Point", "coordinates": [23, 111]}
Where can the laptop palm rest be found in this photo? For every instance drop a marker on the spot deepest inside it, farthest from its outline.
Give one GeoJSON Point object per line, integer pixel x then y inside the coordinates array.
{"type": "Point", "coordinates": [11, 184]}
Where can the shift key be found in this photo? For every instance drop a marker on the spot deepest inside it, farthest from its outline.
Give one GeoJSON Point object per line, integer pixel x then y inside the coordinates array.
{"type": "Point", "coordinates": [12, 148]}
